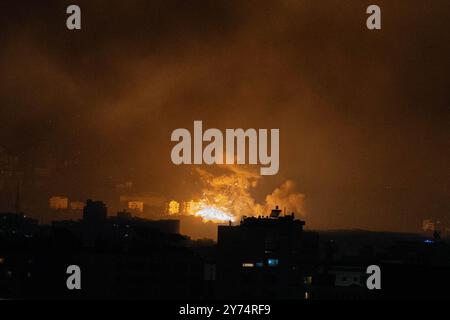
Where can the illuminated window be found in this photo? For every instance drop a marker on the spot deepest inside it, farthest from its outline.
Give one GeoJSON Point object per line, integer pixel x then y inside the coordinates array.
{"type": "Point", "coordinates": [307, 296]}
{"type": "Point", "coordinates": [259, 264]}
{"type": "Point", "coordinates": [174, 207]}
{"type": "Point", "coordinates": [136, 205]}
{"type": "Point", "coordinates": [272, 262]}
{"type": "Point", "coordinates": [308, 280]}
{"type": "Point", "coordinates": [2, 260]}
{"type": "Point", "coordinates": [248, 265]}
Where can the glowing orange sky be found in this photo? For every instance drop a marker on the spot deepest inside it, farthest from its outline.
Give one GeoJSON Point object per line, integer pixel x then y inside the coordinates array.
{"type": "Point", "coordinates": [363, 116]}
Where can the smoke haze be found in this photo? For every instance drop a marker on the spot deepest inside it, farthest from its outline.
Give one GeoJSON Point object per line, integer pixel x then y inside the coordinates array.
{"type": "Point", "coordinates": [363, 116]}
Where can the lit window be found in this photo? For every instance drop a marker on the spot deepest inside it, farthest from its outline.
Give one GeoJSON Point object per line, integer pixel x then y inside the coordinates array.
{"type": "Point", "coordinates": [2, 260]}
{"type": "Point", "coordinates": [307, 296]}
{"type": "Point", "coordinates": [248, 265]}
{"type": "Point", "coordinates": [308, 280]}
{"type": "Point", "coordinates": [272, 262]}
{"type": "Point", "coordinates": [259, 264]}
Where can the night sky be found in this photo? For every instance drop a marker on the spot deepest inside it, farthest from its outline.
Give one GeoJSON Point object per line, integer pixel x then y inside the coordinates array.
{"type": "Point", "coordinates": [364, 116]}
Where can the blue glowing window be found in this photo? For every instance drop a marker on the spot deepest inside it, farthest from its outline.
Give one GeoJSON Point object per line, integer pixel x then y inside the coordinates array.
{"type": "Point", "coordinates": [272, 262]}
{"type": "Point", "coordinates": [259, 264]}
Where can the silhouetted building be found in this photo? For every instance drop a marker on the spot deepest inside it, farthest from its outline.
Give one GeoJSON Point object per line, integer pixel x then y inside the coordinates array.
{"type": "Point", "coordinates": [342, 281]}
{"type": "Point", "coordinates": [95, 212]}
{"type": "Point", "coordinates": [120, 257]}
{"type": "Point", "coordinates": [265, 257]}
{"type": "Point", "coordinates": [94, 219]}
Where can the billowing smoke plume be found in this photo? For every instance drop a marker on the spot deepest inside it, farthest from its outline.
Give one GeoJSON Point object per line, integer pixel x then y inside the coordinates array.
{"type": "Point", "coordinates": [287, 198]}
{"type": "Point", "coordinates": [230, 192]}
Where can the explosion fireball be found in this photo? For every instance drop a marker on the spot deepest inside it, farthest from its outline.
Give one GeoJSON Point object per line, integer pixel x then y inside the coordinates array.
{"type": "Point", "coordinates": [209, 213]}
{"type": "Point", "coordinates": [227, 197]}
